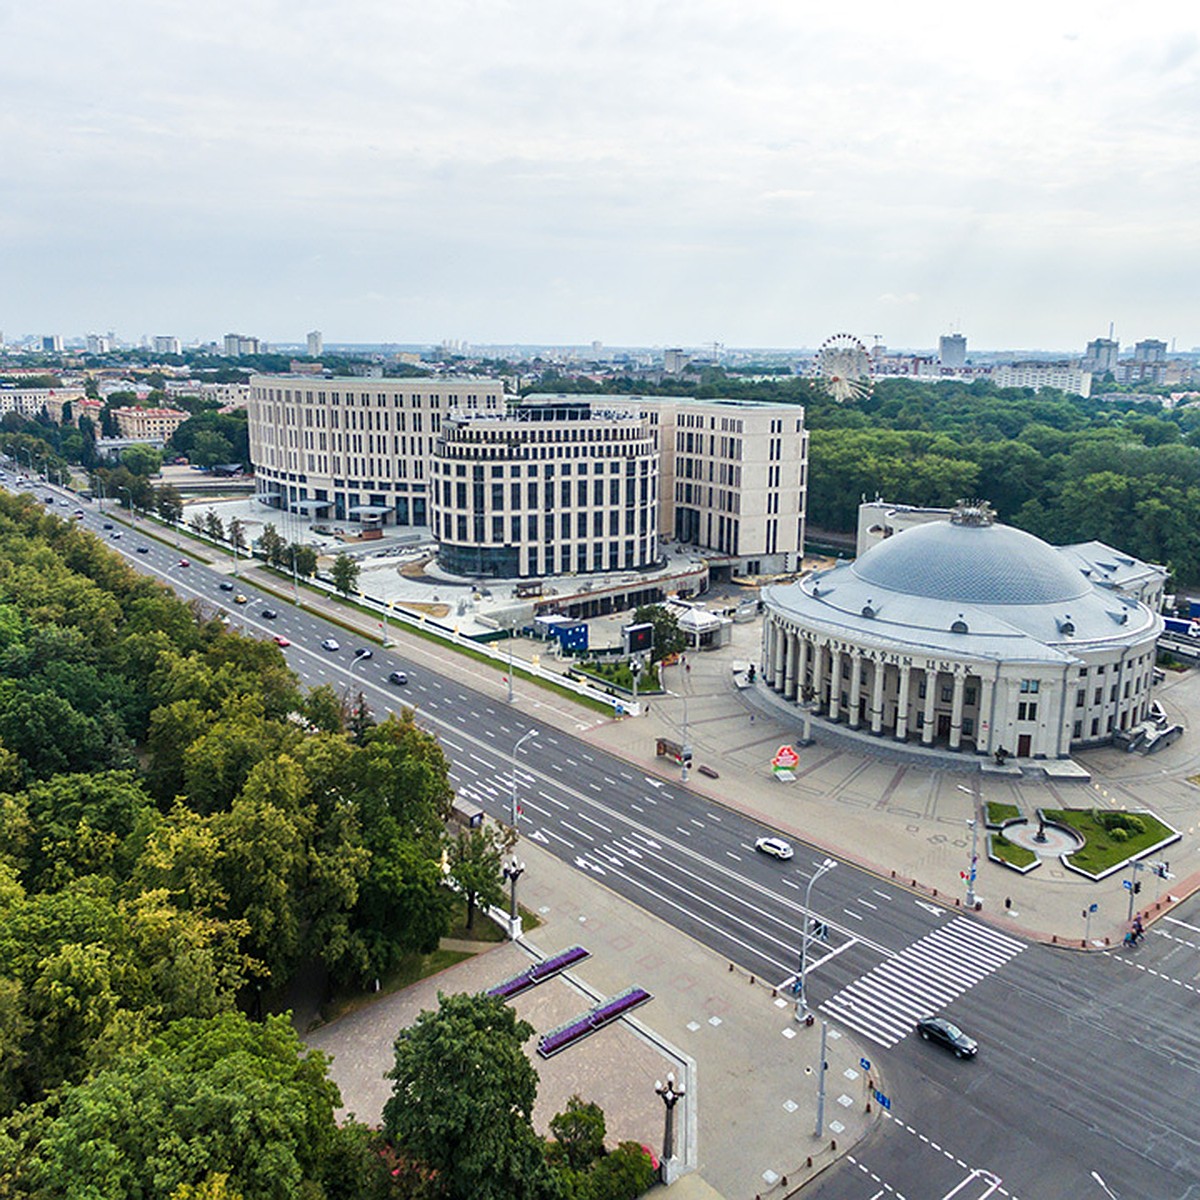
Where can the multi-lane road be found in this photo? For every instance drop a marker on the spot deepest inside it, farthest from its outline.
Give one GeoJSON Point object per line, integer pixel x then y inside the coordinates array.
{"type": "Point", "coordinates": [1088, 1076]}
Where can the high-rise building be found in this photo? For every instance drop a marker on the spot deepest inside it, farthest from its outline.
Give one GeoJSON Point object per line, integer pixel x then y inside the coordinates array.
{"type": "Point", "coordinates": [166, 345]}
{"type": "Point", "coordinates": [674, 361]}
{"type": "Point", "coordinates": [1150, 350]}
{"type": "Point", "coordinates": [52, 343]}
{"type": "Point", "coordinates": [238, 345]}
{"type": "Point", "coordinates": [97, 343]}
{"type": "Point", "coordinates": [952, 350]}
{"type": "Point", "coordinates": [1101, 356]}
{"type": "Point", "coordinates": [316, 344]}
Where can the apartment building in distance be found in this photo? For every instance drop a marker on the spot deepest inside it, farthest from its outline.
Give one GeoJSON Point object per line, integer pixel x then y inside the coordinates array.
{"type": "Point", "coordinates": [1065, 378]}
{"type": "Point", "coordinates": [728, 477]}
{"type": "Point", "coordinates": [148, 424]}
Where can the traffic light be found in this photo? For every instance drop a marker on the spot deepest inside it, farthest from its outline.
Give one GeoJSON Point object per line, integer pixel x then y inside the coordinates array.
{"type": "Point", "coordinates": [685, 756]}
{"type": "Point", "coordinates": [1137, 886]}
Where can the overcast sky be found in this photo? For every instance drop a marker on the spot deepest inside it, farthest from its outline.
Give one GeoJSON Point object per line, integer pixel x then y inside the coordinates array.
{"type": "Point", "coordinates": [633, 171]}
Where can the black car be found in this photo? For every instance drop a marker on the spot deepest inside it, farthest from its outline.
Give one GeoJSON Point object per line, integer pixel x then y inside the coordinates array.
{"type": "Point", "coordinates": [226, 586]}
{"type": "Point", "coordinates": [363, 652]}
{"type": "Point", "coordinates": [938, 1029]}
{"type": "Point", "coordinates": [268, 614]}
{"type": "Point", "coordinates": [397, 677]}
{"type": "Point", "coordinates": [142, 549]}
{"type": "Point", "coordinates": [108, 524]}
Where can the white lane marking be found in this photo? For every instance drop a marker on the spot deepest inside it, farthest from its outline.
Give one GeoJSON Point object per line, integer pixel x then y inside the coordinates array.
{"type": "Point", "coordinates": [1177, 921]}
{"type": "Point", "coordinates": [592, 820]}
{"type": "Point", "coordinates": [483, 762]}
{"type": "Point", "coordinates": [882, 895]}
{"type": "Point", "coordinates": [713, 817]}
{"type": "Point", "coordinates": [851, 913]}
{"type": "Point", "coordinates": [735, 857]}
{"type": "Point", "coordinates": [655, 783]}
{"type": "Point", "coordinates": [573, 829]}
{"type": "Point", "coordinates": [867, 904]}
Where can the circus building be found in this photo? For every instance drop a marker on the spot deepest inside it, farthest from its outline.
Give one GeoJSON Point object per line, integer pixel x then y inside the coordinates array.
{"type": "Point", "coordinates": [969, 635]}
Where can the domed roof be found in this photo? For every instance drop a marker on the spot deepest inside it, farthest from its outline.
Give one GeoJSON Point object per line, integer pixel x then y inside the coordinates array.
{"type": "Point", "coordinates": [972, 564]}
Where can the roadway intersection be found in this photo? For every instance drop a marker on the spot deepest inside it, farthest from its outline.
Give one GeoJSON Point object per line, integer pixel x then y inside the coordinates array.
{"type": "Point", "coordinates": [1089, 1063]}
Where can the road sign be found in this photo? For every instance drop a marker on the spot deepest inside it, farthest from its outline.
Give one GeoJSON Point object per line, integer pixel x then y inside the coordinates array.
{"type": "Point", "coordinates": [1093, 908]}
{"type": "Point", "coordinates": [865, 1063]}
{"type": "Point", "coordinates": [1128, 884]}
{"type": "Point", "coordinates": [882, 1100]}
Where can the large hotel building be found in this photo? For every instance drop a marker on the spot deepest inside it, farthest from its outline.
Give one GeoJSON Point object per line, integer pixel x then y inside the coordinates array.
{"type": "Point", "coordinates": [542, 486]}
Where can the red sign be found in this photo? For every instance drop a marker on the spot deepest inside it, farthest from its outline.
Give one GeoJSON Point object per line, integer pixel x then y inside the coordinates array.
{"type": "Point", "coordinates": [786, 758]}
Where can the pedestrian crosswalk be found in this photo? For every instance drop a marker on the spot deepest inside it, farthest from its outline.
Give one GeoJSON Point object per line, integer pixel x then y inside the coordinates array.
{"type": "Point", "coordinates": [885, 1003]}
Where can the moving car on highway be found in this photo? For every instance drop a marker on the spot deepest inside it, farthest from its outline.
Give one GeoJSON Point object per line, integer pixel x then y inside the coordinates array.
{"type": "Point", "coordinates": [945, 1033]}
{"type": "Point", "coordinates": [775, 847]}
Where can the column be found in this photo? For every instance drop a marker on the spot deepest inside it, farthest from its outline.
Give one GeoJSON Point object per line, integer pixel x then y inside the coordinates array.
{"type": "Point", "coordinates": [764, 664]}
{"type": "Point", "coordinates": [879, 670]}
{"type": "Point", "coordinates": [835, 682]}
{"type": "Point", "coordinates": [902, 703]}
{"type": "Point", "coordinates": [931, 683]}
{"type": "Point", "coordinates": [985, 738]}
{"type": "Point", "coordinates": [818, 671]}
{"type": "Point", "coordinates": [777, 660]}
{"type": "Point", "coordinates": [855, 686]}
{"type": "Point", "coordinates": [802, 658]}
{"type": "Point", "coordinates": [956, 710]}
{"type": "Point", "coordinates": [789, 671]}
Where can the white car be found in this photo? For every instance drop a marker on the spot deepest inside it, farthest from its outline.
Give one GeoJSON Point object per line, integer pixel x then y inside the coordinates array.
{"type": "Point", "coordinates": [330, 644]}
{"type": "Point", "coordinates": [775, 847]}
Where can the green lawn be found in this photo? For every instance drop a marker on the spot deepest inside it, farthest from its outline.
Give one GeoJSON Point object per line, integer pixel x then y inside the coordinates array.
{"type": "Point", "coordinates": [1104, 847]}
{"type": "Point", "coordinates": [1010, 852]}
{"type": "Point", "coordinates": [998, 813]}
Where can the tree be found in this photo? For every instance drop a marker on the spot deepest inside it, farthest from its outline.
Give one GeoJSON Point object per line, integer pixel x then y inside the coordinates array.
{"type": "Point", "coordinates": [210, 448]}
{"type": "Point", "coordinates": [475, 867]}
{"type": "Point", "coordinates": [222, 1096]}
{"type": "Point", "coordinates": [345, 574]}
{"type": "Point", "coordinates": [303, 559]}
{"type": "Point", "coordinates": [668, 637]}
{"type": "Point", "coordinates": [621, 1175]}
{"type": "Point", "coordinates": [462, 1102]}
{"type": "Point", "coordinates": [141, 461]}
{"type": "Point", "coordinates": [579, 1133]}
{"type": "Point", "coordinates": [214, 526]}
{"type": "Point", "coordinates": [271, 545]}
{"type": "Point", "coordinates": [169, 503]}
{"type": "Point", "coordinates": [237, 530]}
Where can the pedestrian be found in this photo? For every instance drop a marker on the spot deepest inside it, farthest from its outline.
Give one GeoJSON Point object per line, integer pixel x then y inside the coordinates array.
{"type": "Point", "coordinates": [687, 667]}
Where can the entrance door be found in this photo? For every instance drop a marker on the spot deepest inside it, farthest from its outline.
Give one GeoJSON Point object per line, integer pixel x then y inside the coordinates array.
{"type": "Point", "coordinates": [943, 725]}
{"type": "Point", "coordinates": [1024, 745]}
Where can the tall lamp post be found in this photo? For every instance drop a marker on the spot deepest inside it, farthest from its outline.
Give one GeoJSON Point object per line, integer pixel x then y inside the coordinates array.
{"type": "Point", "coordinates": [512, 872]}
{"type": "Point", "coordinates": [670, 1095]}
{"type": "Point", "coordinates": [802, 994]}
{"type": "Point", "coordinates": [532, 733]}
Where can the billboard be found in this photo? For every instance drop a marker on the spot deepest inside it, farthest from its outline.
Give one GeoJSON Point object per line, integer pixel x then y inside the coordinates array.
{"type": "Point", "coordinates": [639, 639]}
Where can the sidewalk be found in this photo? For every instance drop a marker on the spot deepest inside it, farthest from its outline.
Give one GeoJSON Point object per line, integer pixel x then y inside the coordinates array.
{"type": "Point", "coordinates": [748, 1117]}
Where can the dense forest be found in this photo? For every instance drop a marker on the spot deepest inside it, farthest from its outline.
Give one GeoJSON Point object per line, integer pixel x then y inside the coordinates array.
{"type": "Point", "coordinates": [181, 828]}
{"type": "Point", "coordinates": [1062, 467]}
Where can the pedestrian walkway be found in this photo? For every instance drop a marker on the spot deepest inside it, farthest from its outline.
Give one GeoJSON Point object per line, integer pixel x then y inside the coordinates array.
{"type": "Point", "coordinates": [886, 1002]}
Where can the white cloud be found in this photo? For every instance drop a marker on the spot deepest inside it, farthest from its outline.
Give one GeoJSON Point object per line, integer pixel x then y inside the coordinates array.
{"type": "Point", "coordinates": [758, 173]}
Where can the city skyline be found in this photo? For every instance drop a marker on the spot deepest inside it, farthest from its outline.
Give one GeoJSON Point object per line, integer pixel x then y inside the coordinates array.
{"type": "Point", "coordinates": [636, 176]}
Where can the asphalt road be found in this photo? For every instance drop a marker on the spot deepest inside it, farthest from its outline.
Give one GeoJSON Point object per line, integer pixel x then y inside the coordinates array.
{"type": "Point", "coordinates": [1089, 1064]}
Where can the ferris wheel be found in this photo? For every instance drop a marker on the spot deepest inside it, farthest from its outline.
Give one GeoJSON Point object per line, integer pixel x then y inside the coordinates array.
{"type": "Point", "coordinates": [844, 367]}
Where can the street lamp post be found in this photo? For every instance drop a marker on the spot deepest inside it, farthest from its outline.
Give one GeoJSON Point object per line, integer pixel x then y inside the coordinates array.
{"type": "Point", "coordinates": [1107, 1190]}
{"type": "Point", "coordinates": [670, 1094]}
{"type": "Point", "coordinates": [512, 872]}
{"type": "Point", "coordinates": [821, 1067]}
{"type": "Point", "coordinates": [802, 993]}
{"type": "Point", "coordinates": [971, 876]}
{"type": "Point", "coordinates": [532, 733]}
